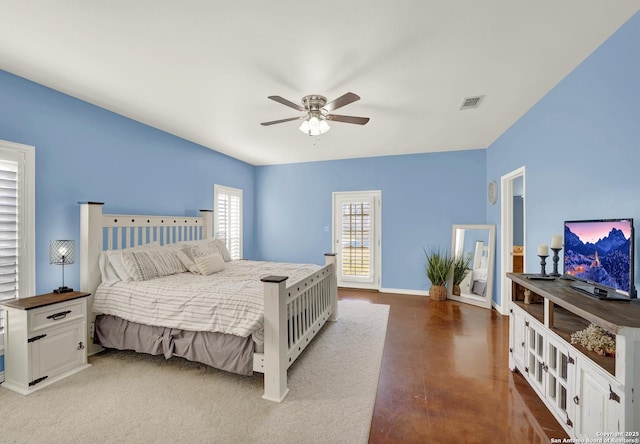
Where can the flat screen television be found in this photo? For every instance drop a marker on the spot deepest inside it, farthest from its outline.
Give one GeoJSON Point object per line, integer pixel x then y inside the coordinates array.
{"type": "Point", "coordinates": [599, 255]}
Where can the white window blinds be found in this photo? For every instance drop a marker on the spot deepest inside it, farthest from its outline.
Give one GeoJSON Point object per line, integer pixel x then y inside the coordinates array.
{"type": "Point", "coordinates": [228, 218]}
{"type": "Point", "coordinates": [356, 239]}
{"type": "Point", "coordinates": [8, 230]}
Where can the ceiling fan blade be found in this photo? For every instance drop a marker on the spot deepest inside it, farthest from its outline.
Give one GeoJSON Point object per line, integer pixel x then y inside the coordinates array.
{"type": "Point", "coordinates": [273, 122]}
{"type": "Point", "coordinates": [287, 103]}
{"type": "Point", "coordinates": [348, 119]}
{"type": "Point", "coordinates": [341, 101]}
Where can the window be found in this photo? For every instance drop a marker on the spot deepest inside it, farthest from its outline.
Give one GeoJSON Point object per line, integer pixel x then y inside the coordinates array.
{"type": "Point", "coordinates": [227, 218]}
{"type": "Point", "coordinates": [17, 232]}
{"type": "Point", "coordinates": [8, 230]}
{"type": "Point", "coordinates": [356, 238]}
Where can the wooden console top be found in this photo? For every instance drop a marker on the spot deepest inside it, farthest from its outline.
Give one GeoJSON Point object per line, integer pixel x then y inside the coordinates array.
{"type": "Point", "coordinates": [611, 315]}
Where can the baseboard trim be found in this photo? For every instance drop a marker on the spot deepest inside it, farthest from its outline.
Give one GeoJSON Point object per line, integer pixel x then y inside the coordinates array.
{"type": "Point", "coordinates": [423, 293]}
{"type": "Point", "coordinates": [404, 291]}
{"type": "Point", "coordinates": [498, 308]}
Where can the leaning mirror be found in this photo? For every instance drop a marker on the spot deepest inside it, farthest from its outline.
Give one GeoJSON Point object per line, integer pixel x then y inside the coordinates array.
{"type": "Point", "coordinates": [473, 249]}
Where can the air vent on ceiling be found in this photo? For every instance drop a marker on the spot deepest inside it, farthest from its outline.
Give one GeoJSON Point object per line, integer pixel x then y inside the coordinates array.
{"type": "Point", "coordinates": [471, 102]}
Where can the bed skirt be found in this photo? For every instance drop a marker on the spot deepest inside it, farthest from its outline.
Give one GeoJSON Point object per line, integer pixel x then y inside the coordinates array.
{"type": "Point", "coordinates": [225, 352]}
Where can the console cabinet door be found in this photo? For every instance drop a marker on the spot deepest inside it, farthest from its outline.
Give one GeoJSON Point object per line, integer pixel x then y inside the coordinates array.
{"type": "Point", "coordinates": [536, 355]}
{"type": "Point", "coordinates": [598, 402]}
{"type": "Point", "coordinates": [518, 335]}
{"type": "Point", "coordinates": [560, 379]}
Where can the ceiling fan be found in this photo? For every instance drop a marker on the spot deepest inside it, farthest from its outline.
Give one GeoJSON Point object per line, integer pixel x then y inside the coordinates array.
{"type": "Point", "coordinates": [317, 112]}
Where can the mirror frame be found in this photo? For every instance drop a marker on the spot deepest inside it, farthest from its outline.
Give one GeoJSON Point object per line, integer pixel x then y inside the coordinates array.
{"type": "Point", "coordinates": [482, 301]}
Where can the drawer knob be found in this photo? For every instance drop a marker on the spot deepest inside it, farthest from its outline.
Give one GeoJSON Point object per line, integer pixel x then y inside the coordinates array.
{"type": "Point", "coordinates": [61, 315]}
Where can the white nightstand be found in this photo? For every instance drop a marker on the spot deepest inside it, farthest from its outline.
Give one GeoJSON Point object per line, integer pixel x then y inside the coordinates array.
{"type": "Point", "coordinates": [45, 340]}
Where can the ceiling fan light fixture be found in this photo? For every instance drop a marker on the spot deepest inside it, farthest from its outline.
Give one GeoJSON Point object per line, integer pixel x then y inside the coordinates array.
{"type": "Point", "coordinates": [323, 126]}
{"type": "Point", "coordinates": [318, 113]}
{"type": "Point", "coordinates": [314, 126]}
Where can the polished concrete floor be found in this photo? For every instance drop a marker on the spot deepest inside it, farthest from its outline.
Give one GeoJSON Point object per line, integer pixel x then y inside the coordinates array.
{"type": "Point", "coordinates": [445, 377]}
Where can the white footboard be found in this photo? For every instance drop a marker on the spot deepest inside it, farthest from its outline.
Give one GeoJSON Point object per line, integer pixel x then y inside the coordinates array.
{"type": "Point", "coordinates": [292, 317]}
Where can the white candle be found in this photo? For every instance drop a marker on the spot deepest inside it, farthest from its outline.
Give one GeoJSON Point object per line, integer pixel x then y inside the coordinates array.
{"type": "Point", "coordinates": [543, 250]}
{"type": "Point", "coordinates": [556, 241]}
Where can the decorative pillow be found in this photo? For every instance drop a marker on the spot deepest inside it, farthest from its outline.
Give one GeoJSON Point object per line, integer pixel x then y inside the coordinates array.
{"type": "Point", "coordinates": [189, 243]}
{"type": "Point", "coordinates": [209, 264]}
{"type": "Point", "coordinates": [113, 259]}
{"type": "Point", "coordinates": [187, 261]}
{"type": "Point", "coordinates": [147, 264]}
{"type": "Point", "coordinates": [222, 248]}
{"type": "Point", "coordinates": [199, 250]}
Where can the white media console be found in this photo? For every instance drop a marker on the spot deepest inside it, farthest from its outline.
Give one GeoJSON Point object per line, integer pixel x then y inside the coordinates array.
{"type": "Point", "coordinates": [589, 394]}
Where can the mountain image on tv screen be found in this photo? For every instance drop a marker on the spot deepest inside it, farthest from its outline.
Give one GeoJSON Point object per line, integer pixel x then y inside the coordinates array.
{"type": "Point", "coordinates": [599, 252]}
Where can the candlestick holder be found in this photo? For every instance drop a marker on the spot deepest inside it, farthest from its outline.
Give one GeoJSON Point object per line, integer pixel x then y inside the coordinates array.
{"type": "Point", "coordinates": [555, 261]}
{"type": "Point", "coordinates": [543, 263]}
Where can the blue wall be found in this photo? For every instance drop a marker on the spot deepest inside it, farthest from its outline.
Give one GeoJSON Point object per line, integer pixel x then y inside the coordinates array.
{"type": "Point", "coordinates": [580, 145]}
{"type": "Point", "coordinates": [518, 220]}
{"type": "Point", "coordinates": [422, 196]}
{"type": "Point", "coordinates": [85, 153]}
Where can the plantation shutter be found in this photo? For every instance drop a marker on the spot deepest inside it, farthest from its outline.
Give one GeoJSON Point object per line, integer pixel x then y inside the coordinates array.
{"type": "Point", "coordinates": [356, 239]}
{"type": "Point", "coordinates": [8, 232]}
{"type": "Point", "coordinates": [228, 220]}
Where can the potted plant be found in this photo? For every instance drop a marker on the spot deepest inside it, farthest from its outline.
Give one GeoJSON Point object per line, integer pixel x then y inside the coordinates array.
{"type": "Point", "coordinates": [460, 267]}
{"type": "Point", "coordinates": [438, 268]}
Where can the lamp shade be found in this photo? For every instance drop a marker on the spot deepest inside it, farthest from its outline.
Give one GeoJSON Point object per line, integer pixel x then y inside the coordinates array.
{"type": "Point", "coordinates": [62, 252]}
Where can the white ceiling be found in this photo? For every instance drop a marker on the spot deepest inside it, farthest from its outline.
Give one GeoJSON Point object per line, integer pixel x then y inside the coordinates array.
{"type": "Point", "coordinates": [202, 69]}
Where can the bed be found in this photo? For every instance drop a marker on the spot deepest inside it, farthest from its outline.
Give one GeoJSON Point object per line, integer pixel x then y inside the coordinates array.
{"type": "Point", "coordinates": [475, 279]}
{"type": "Point", "coordinates": [239, 316]}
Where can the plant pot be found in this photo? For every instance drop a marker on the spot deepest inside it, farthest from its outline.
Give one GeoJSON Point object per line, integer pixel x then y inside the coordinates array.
{"type": "Point", "coordinates": [438, 293]}
{"type": "Point", "coordinates": [456, 290]}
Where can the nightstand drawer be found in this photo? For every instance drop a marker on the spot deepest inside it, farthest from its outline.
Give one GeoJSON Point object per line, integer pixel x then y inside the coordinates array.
{"type": "Point", "coordinates": [57, 314]}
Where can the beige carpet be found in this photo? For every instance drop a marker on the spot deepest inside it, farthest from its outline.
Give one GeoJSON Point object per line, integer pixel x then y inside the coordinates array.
{"type": "Point", "coordinates": [126, 397]}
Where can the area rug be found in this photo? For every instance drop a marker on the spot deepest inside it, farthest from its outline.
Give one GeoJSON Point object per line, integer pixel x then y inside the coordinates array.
{"type": "Point", "coordinates": [125, 397]}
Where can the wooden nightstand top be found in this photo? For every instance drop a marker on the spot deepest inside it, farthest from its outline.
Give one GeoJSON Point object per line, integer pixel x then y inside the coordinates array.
{"type": "Point", "coordinates": [44, 300]}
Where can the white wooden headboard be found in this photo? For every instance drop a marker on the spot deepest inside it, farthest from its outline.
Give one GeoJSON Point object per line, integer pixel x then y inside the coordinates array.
{"type": "Point", "coordinates": [100, 232]}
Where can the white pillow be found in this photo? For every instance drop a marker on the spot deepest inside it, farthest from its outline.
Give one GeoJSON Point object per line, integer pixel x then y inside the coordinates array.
{"type": "Point", "coordinates": [146, 264]}
{"type": "Point", "coordinates": [115, 260]}
{"type": "Point", "coordinates": [209, 264]}
{"type": "Point", "coordinates": [107, 272]}
{"type": "Point", "coordinates": [222, 248]}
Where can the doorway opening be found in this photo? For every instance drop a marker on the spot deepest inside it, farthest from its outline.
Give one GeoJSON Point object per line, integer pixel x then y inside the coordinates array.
{"type": "Point", "coordinates": [513, 232]}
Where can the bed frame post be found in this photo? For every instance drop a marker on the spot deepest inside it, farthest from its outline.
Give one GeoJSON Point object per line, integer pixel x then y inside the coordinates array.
{"type": "Point", "coordinates": [330, 258]}
{"type": "Point", "coordinates": [90, 248]}
{"type": "Point", "coordinates": [275, 338]}
{"type": "Point", "coordinates": [207, 224]}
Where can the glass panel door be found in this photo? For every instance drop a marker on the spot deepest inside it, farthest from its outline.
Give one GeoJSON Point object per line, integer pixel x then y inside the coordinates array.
{"type": "Point", "coordinates": [558, 380]}
{"type": "Point", "coordinates": [535, 347]}
{"type": "Point", "coordinates": [356, 238]}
